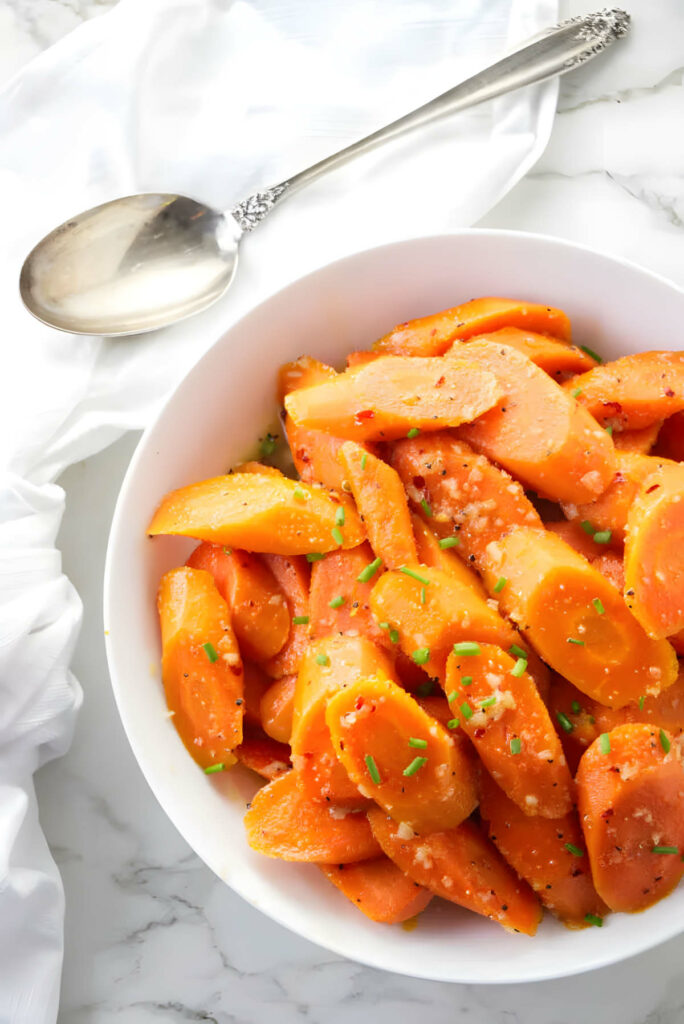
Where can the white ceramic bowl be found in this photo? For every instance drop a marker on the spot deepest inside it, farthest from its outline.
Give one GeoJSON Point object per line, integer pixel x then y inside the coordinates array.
{"type": "Point", "coordinates": [209, 423]}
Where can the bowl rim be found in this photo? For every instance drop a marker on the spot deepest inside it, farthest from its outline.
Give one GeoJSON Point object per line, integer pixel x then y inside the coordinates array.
{"type": "Point", "coordinates": [611, 956]}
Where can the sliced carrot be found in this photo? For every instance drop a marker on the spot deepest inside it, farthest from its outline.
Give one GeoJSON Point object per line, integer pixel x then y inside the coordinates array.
{"type": "Point", "coordinates": [381, 502]}
{"type": "Point", "coordinates": [256, 467]}
{"type": "Point", "coordinates": [385, 399]}
{"type": "Point", "coordinates": [576, 620]}
{"type": "Point", "coordinates": [401, 757]}
{"type": "Point", "coordinates": [468, 497]}
{"type": "Point", "coordinates": [549, 854]}
{"type": "Point", "coordinates": [631, 802]}
{"type": "Point", "coordinates": [302, 373]}
{"type": "Point", "coordinates": [557, 358]}
{"type": "Point", "coordinates": [654, 552]}
{"type": "Point", "coordinates": [638, 441]}
{"type": "Point", "coordinates": [255, 685]}
{"type": "Point", "coordinates": [578, 539]}
{"type": "Point", "coordinates": [264, 756]}
{"type": "Point", "coordinates": [612, 567]}
{"type": "Point", "coordinates": [379, 889]}
{"type": "Point", "coordinates": [510, 728]}
{"type": "Point", "coordinates": [201, 666]}
{"type": "Point", "coordinates": [537, 431]}
{"type": "Point", "coordinates": [362, 357]}
{"type": "Point", "coordinates": [671, 438]}
{"type": "Point", "coordinates": [336, 577]}
{"type": "Point", "coordinates": [281, 822]}
{"type": "Point", "coordinates": [329, 665]}
{"type": "Point", "coordinates": [259, 612]}
{"type": "Point", "coordinates": [293, 576]}
{"type": "Point", "coordinates": [258, 513]}
{"type": "Point", "coordinates": [432, 335]}
{"type": "Point", "coordinates": [276, 709]}
{"type": "Point", "coordinates": [634, 391]}
{"type": "Point", "coordinates": [461, 866]}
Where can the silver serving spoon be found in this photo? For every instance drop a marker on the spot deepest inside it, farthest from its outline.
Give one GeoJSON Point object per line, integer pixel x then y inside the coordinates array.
{"type": "Point", "coordinates": [145, 261]}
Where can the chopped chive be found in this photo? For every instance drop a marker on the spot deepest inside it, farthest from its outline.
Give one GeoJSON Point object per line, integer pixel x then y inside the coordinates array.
{"type": "Point", "coordinates": [413, 432]}
{"type": "Point", "coordinates": [574, 850]}
{"type": "Point", "coordinates": [488, 702]}
{"type": "Point", "coordinates": [469, 648]}
{"type": "Point", "coordinates": [425, 507]}
{"type": "Point", "coordinates": [210, 769]}
{"type": "Point", "coordinates": [577, 392]}
{"type": "Point", "coordinates": [665, 849]}
{"type": "Point", "coordinates": [314, 556]}
{"type": "Point", "coordinates": [300, 620]}
{"type": "Point", "coordinates": [227, 551]}
{"type": "Point", "coordinates": [516, 745]}
{"type": "Point", "coordinates": [518, 651]}
{"type": "Point", "coordinates": [372, 769]}
{"type": "Point", "coordinates": [665, 741]}
{"type": "Point", "coordinates": [426, 688]}
{"type": "Point", "coordinates": [598, 605]}
{"type": "Point", "coordinates": [594, 919]}
{"type": "Point", "coordinates": [339, 516]}
{"type": "Point", "coordinates": [415, 766]}
{"type": "Point", "coordinates": [414, 575]}
{"type": "Point", "coordinates": [419, 744]}
{"type": "Point", "coordinates": [500, 584]}
{"type": "Point", "coordinates": [210, 652]}
{"type": "Point", "coordinates": [592, 720]}
{"type": "Point", "coordinates": [641, 703]}
{"type": "Point", "coordinates": [364, 460]}
{"type": "Point", "coordinates": [453, 723]}
{"type": "Point", "coordinates": [423, 595]}
{"type": "Point", "coordinates": [587, 527]}
{"type": "Point", "coordinates": [384, 625]}
{"type": "Point", "coordinates": [336, 602]}
{"type": "Point", "coordinates": [394, 636]}
{"type": "Point", "coordinates": [421, 655]}
{"type": "Point", "coordinates": [452, 696]}
{"type": "Point", "coordinates": [466, 680]}
{"type": "Point", "coordinates": [299, 493]}
{"type": "Point", "coordinates": [466, 711]}
{"type": "Point", "coordinates": [337, 535]}
{"type": "Point", "coordinates": [573, 640]}
{"type": "Point", "coordinates": [590, 352]}
{"type": "Point", "coordinates": [449, 542]}
{"type": "Point", "coordinates": [609, 430]}
{"type": "Point", "coordinates": [268, 445]}
{"type": "Point", "coordinates": [603, 536]}
{"type": "Point", "coordinates": [369, 572]}
{"type": "Point", "coordinates": [604, 743]}
{"type": "Point", "coordinates": [322, 659]}
{"type": "Point", "coordinates": [519, 667]}
{"type": "Point", "coordinates": [564, 722]}
{"type": "Point", "coordinates": [575, 706]}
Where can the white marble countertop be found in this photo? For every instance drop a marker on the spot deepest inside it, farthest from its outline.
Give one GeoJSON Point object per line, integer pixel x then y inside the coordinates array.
{"type": "Point", "coordinates": [151, 934]}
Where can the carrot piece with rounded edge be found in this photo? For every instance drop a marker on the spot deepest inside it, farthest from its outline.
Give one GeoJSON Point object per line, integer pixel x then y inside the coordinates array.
{"type": "Point", "coordinates": [255, 685]}
{"type": "Point", "coordinates": [256, 467]}
{"type": "Point", "coordinates": [401, 757]}
{"type": "Point", "coordinates": [578, 539]}
{"type": "Point", "coordinates": [379, 889]}
{"type": "Point", "coordinates": [631, 804]}
{"type": "Point", "coordinates": [670, 442]}
{"type": "Point", "coordinates": [638, 441]}
{"type": "Point", "coordinates": [549, 854]}
{"type": "Point", "coordinates": [281, 822]}
{"type": "Point", "coordinates": [551, 591]}
{"type": "Point", "coordinates": [511, 730]}
{"type": "Point", "coordinates": [276, 708]}
{"type": "Point", "coordinates": [259, 612]}
{"type": "Point", "coordinates": [612, 567]}
{"type": "Point", "coordinates": [381, 502]}
{"type": "Point", "coordinates": [462, 866]}
{"type": "Point", "coordinates": [634, 391]}
{"type": "Point", "coordinates": [328, 666]}
{"type": "Point", "coordinates": [555, 357]}
{"type": "Point", "coordinates": [263, 755]}
{"type": "Point", "coordinates": [385, 399]}
{"type": "Point", "coordinates": [336, 577]}
{"type": "Point", "coordinates": [258, 513]}
{"type": "Point", "coordinates": [468, 496]}
{"type": "Point", "coordinates": [201, 666]}
{"type": "Point", "coordinates": [432, 335]}
{"type": "Point", "coordinates": [654, 552]}
{"type": "Point", "coordinates": [537, 431]}
{"type": "Point", "coordinates": [293, 576]}
{"type": "Point", "coordinates": [302, 373]}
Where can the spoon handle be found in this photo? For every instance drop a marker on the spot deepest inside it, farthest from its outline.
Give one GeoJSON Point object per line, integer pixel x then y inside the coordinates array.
{"type": "Point", "coordinates": [553, 52]}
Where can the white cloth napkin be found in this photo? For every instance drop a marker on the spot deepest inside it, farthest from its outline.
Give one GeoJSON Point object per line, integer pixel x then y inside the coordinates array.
{"type": "Point", "coordinates": [214, 99]}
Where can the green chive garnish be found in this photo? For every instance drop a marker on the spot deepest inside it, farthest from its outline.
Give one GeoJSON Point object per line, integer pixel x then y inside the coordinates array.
{"type": "Point", "coordinates": [593, 919]}
{"type": "Point", "coordinates": [665, 849]}
{"type": "Point", "coordinates": [413, 432]}
{"type": "Point", "coordinates": [453, 723]}
{"type": "Point", "coordinates": [466, 711]}
{"type": "Point", "coordinates": [337, 535]}
{"type": "Point", "coordinates": [210, 652]}
{"type": "Point", "coordinates": [598, 605]}
{"type": "Point", "coordinates": [488, 702]}
{"type": "Point", "coordinates": [414, 575]}
{"type": "Point", "coordinates": [641, 703]}
{"type": "Point", "coordinates": [268, 445]}
{"type": "Point", "coordinates": [372, 769]}
{"type": "Point", "coordinates": [564, 722]}
{"type": "Point", "coordinates": [452, 696]}
{"type": "Point", "coordinates": [519, 667]}
{"type": "Point", "coordinates": [299, 493]}
{"type": "Point", "coordinates": [500, 584]}
{"type": "Point", "coordinates": [419, 744]}
{"type": "Point", "coordinates": [609, 430]}
{"type": "Point", "coordinates": [384, 625]}
{"type": "Point", "coordinates": [394, 636]}
{"type": "Point", "coordinates": [449, 542]}
{"type": "Point", "coordinates": [423, 595]}
{"type": "Point", "coordinates": [336, 602]}
{"type": "Point", "coordinates": [587, 527]}
{"type": "Point", "coordinates": [518, 651]}
{"type": "Point", "coordinates": [300, 620]}
{"type": "Point", "coordinates": [369, 572]}
{"type": "Point", "coordinates": [590, 352]}
{"type": "Point", "coordinates": [339, 516]}
{"type": "Point", "coordinates": [322, 659]}
{"type": "Point", "coordinates": [468, 648]}
{"type": "Point", "coordinates": [603, 536]}
{"type": "Point", "coordinates": [425, 507]}
{"type": "Point", "coordinates": [466, 680]}
{"type": "Point", "coordinates": [210, 769]}
{"type": "Point", "coordinates": [364, 459]}
{"type": "Point", "coordinates": [577, 392]}
{"type": "Point", "coordinates": [415, 766]}
{"type": "Point", "coordinates": [516, 745]}
{"type": "Point", "coordinates": [665, 741]}
{"type": "Point", "coordinates": [572, 640]}
{"type": "Point", "coordinates": [575, 706]}
{"type": "Point", "coordinates": [227, 551]}
{"type": "Point", "coordinates": [421, 655]}
{"type": "Point", "coordinates": [604, 743]}
{"type": "Point", "coordinates": [426, 688]}
{"type": "Point", "coordinates": [574, 850]}
{"type": "Point", "coordinates": [314, 556]}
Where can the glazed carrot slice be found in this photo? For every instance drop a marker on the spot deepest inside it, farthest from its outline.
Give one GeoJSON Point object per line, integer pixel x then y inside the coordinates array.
{"type": "Point", "coordinates": [264, 756]}
{"type": "Point", "coordinates": [329, 665]}
{"type": "Point", "coordinates": [257, 467]}
{"type": "Point", "coordinates": [578, 539]}
{"type": "Point", "coordinates": [630, 786]}
{"type": "Point", "coordinates": [401, 757]}
{"type": "Point", "coordinates": [553, 356]}
{"type": "Point", "coordinates": [549, 854]}
{"type": "Point", "coordinates": [201, 666]}
{"type": "Point", "coordinates": [335, 578]}
{"type": "Point", "coordinates": [638, 441]}
{"type": "Point", "coordinates": [432, 335]}
{"type": "Point", "coordinates": [259, 612]}
{"type": "Point", "coordinates": [281, 822]}
{"type": "Point", "coordinates": [302, 373]}
{"type": "Point", "coordinates": [259, 513]}
{"type": "Point", "coordinates": [276, 708]}
{"type": "Point", "coordinates": [654, 552]}
{"type": "Point", "coordinates": [537, 431]}
{"type": "Point", "coordinates": [498, 706]}
{"type": "Point", "coordinates": [255, 684]}
{"type": "Point", "coordinates": [671, 438]}
{"type": "Point", "coordinates": [381, 502]}
{"type": "Point", "coordinates": [634, 391]}
{"type": "Point", "coordinates": [385, 399]}
{"type": "Point", "coordinates": [461, 866]}
{"type": "Point", "coordinates": [292, 575]}
{"type": "Point", "coordinates": [612, 567]}
{"type": "Point", "coordinates": [576, 620]}
{"type": "Point", "coordinates": [379, 889]}
{"type": "Point", "coordinates": [468, 497]}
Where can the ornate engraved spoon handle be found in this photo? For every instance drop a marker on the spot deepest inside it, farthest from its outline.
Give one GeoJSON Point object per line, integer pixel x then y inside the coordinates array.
{"type": "Point", "coordinates": [553, 52]}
